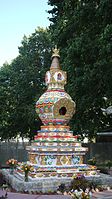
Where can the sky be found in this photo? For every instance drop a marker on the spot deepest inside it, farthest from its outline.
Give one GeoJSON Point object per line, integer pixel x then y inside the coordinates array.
{"type": "Point", "coordinates": [19, 18]}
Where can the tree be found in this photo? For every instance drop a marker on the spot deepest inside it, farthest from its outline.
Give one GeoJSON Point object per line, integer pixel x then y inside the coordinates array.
{"type": "Point", "coordinates": [26, 83]}
{"type": "Point", "coordinates": [5, 101]}
{"type": "Point", "coordinates": [82, 30]}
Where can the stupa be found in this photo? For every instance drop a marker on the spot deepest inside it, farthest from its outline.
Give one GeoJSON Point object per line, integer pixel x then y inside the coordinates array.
{"type": "Point", "coordinates": [55, 151]}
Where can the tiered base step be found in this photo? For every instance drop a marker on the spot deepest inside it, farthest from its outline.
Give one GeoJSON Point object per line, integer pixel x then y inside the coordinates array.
{"type": "Point", "coordinates": [56, 152]}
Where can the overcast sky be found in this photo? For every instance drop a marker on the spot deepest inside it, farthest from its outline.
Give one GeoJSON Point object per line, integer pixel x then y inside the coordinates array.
{"type": "Point", "coordinates": [19, 18]}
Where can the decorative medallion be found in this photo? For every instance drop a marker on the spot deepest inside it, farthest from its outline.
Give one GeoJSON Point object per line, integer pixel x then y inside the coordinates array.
{"type": "Point", "coordinates": [75, 159]}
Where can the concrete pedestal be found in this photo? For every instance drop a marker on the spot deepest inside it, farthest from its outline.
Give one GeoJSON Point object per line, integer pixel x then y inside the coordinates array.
{"type": "Point", "coordinates": [39, 185]}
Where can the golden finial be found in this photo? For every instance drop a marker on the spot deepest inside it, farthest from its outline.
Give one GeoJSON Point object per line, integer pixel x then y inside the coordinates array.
{"type": "Point", "coordinates": [55, 52]}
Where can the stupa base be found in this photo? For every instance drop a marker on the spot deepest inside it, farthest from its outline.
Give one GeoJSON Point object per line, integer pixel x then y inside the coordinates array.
{"type": "Point", "coordinates": [38, 184]}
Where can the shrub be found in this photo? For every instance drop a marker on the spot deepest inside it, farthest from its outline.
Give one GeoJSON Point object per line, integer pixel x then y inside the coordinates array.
{"type": "Point", "coordinates": [62, 188]}
{"type": "Point", "coordinates": [109, 164]}
{"type": "Point", "coordinates": [79, 182]}
{"type": "Point", "coordinates": [2, 180]}
{"type": "Point", "coordinates": [92, 161]}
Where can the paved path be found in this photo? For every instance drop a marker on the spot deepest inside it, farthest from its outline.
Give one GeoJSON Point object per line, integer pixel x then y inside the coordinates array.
{"type": "Point", "coordinates": [96, 195]}
{"type": "Point", "coordinates": [103, 195]}
{"type": "Point", "coordinates": [11, 195]}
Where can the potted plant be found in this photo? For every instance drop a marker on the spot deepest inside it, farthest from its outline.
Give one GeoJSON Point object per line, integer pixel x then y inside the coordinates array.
{"type": "Point", "coordinates": [26, 168]}
{"type": "Point", "coordinates": [12, 164]}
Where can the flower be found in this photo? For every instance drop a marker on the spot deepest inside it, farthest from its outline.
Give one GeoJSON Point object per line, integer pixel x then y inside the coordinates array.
{"type": "Point", "coordinates": [80, 194]}
{"type": "Point", "coordinates": [78, 176]}
{"type": "Point", "coordinates": [12, 162]}
{"type": "Point", "coordinates": [26, 168]}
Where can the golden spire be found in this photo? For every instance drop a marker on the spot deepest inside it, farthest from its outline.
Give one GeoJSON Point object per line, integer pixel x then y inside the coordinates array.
{"type": "Point", "coordinates": [55, 52]}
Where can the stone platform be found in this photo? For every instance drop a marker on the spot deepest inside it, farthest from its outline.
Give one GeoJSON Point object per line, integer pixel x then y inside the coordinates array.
{"type": "Point", "coordinates": [40, 184]}
{"type": "Point", "coordinates": [45, 184]}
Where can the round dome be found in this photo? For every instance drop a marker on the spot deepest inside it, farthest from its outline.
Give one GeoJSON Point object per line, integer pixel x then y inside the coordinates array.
{"type": "Point", "coordinates": [55, 107]}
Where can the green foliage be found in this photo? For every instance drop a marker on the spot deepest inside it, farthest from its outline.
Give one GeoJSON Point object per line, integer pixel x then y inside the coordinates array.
{"type": "Point", "coordinates": [109, 164]}
{"type": "Point", "coordinates": [62, 188]}
{"type": "Point", "coordinates": [92, 161]}
{"type": "Point", "coordinates": [83, 30]}
{"type": "Point", "coordinates": [5, 100]}
{"type": "Point", "coordinates": [22, 83]}
{"type": "Point", "coordinates": [79, 183]}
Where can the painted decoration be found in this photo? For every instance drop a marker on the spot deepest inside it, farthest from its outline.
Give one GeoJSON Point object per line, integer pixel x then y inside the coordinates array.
{"type": "Point", "coordinates": [64, 160]}
{"type": "Point", "coordinates": [55, 107]}
{"type": "Point", "coordinates": [47, 77]}
{"type": "Point", "coordinates": [50, 160]}
{"type": "Point", "coordinates": [75, 159]}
